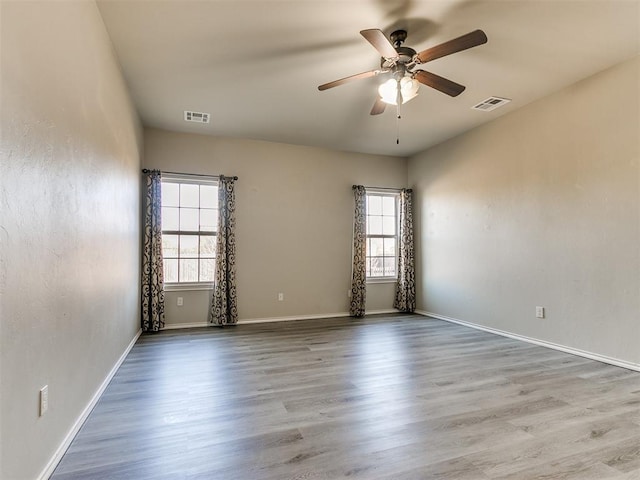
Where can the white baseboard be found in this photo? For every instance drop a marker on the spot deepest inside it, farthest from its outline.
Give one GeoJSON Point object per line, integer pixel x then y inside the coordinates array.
{"type": "Point", "coordinates": [292, 318]}
{"type": "Point", "coordinates": [177, 326]}
{"type": "Point", "coordinates": [310, 317]}
{"type": "Point", "coordinates": [247, 321]}
{"type": "Point", "coordinates": [57, 456]}
{"type": "Point", "coordinates": [543, 343]}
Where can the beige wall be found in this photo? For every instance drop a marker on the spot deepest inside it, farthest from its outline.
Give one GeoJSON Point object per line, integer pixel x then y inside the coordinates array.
{"type": "Point", "coordinates": [294, 221]}
{"type": "Point", "coordinates": [69, 223]}
{"type": "Point", "coordinates": [540, 207]}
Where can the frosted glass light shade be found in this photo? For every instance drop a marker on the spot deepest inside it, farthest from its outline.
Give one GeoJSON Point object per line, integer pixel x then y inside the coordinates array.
{"type": "Point", "coordinates": [389, 90]}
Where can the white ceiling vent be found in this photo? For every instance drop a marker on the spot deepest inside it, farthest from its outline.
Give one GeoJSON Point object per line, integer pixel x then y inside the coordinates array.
{"type": "Point", "coordinates": [491, 103]}
{"type": "Point", "coordinates": [197, 117]}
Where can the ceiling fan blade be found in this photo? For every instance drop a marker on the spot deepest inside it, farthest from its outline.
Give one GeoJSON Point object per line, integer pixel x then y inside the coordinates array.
{"type": "Point", "coordinates": [472, 39]}
{"type": "Point", "coordinates": [380, 42]}
{"type": "Point", "coordinates": [357, 76]}
{"type": "Point", "coordinates": [378, 107]}
{"type": "Point", "coordinates": [432, 80]}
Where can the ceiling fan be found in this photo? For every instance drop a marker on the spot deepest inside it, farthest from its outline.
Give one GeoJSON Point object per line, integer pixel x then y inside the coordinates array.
{"type": "Point", "coordinates": [403, 63]}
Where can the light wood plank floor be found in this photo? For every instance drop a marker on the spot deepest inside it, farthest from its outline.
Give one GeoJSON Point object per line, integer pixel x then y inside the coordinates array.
{"type": "Point", "coordinates": [388, 397]}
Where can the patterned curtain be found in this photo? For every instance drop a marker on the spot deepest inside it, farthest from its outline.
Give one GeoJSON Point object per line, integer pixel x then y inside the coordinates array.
{"type": "Point", "coordinates": [405, 300]}
{"type": "Point", "coordinates": [152, 271]}
{"type": "Point", "coordinates": [224, 308]}
{"type": "Point", "coordinates": [358, 276]}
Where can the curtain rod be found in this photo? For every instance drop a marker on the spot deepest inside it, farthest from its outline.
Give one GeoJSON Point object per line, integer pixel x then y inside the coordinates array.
{"type": "Point", "coordinates": [384, 188]}
{"type": "Point", "coordinates": [146, 170]}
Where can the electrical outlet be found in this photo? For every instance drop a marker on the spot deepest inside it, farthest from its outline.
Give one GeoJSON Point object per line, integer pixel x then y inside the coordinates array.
{"type": "Point", "coordinates": [180, 301]}
{"type": "Point", "coordinates": [349, 293]}
{"type": "Point", "coordinates": [539, 312]}
{"type": "Point", "coordinates": [44, 400]}
{"type": "Point", "coordinates": [281, 297]}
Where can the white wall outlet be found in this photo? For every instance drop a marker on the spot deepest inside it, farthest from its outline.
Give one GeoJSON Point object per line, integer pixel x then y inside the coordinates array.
{"type": "Point", "coordinates": [349, 293]}
{"type": "Point", "coordinates": [281, 297]}
{"type": "Point", "coordinates": [44, 400]}
{"type": "Point", "coordinates": [180, 301]}
{"type": "Point", "coordinates": [539, 312]}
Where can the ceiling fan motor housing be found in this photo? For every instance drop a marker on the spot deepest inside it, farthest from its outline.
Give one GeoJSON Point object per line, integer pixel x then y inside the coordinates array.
{"type": "Point", "coordinates": [405, 56]}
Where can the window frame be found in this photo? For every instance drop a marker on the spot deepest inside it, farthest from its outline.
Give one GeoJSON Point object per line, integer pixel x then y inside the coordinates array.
{"type": "Point", "coordinates": [200, 180]}
{"type": "Point", "coordinates": [395, 194]}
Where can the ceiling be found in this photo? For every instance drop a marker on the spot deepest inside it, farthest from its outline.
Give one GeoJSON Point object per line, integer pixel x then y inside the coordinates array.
{"type": "Point", "coordinates": [255, 65]}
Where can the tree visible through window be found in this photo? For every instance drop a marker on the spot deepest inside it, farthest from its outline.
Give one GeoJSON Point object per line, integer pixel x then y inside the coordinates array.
{"type": "Point", "coordinates": [382, 235]}
{"type": "Point", "coordinates": [189, 226]}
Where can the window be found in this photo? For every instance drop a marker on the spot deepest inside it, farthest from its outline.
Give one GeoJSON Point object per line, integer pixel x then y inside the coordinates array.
{"type": "Point", "coordinates": [189, 226]}
{"type": "Point", "coordinates": [382, 235]}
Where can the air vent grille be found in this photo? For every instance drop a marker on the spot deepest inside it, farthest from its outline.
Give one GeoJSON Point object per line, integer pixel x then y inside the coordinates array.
{"type": "Point", "coordinates": [491, 103]}
{"type": "Point", "coordinates": [196, 117]}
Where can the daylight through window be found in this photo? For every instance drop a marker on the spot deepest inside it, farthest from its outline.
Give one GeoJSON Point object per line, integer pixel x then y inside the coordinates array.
{"type": "Point", "coordinates": [382, 235]}
{"type": "Point", "coordinates": [189, 226]}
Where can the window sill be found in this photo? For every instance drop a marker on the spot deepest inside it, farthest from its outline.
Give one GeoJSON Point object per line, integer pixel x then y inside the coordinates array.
{"type": "Point", "coordinates": [382, 280]}
{"type": "Point", "coordinates": [180, 287]}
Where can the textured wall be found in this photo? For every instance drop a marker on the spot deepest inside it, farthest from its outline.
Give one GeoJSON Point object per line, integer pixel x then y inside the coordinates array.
{"type": "Point", "coordinates": [294, 221]}
{"type": "Point", "coordinates": [69, 224]}
{"type": "Point", "coordinates": [540, 207]}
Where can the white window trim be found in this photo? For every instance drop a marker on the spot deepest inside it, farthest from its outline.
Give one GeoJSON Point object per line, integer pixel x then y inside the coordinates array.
{"type": "Point", "coordinates": [184, 286]}
{"type": "Point", "coordinates": [195, 180]}
{"type": "Point", "coordinates": [395, 193]}
{"type": "Point", "coordinates": [382, 279]}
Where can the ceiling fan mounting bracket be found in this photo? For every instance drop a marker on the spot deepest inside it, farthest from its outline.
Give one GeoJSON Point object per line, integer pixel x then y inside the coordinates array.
{"type": "Point", "coordinates": [398, 37]}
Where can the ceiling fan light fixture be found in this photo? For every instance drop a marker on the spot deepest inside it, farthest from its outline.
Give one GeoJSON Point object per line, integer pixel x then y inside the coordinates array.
{"type": "Point", "coordinates": [388, 91]}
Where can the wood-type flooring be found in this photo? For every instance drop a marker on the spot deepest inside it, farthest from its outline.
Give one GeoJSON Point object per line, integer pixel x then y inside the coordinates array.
{"type": "Point", "coordinates": [385, 397]}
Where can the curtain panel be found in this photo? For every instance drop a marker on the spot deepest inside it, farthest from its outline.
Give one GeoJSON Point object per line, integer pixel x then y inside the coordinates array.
{"type": "Point", "coordinates": [152, 315]}
{"type": "Point", "coordinates": [358, 275]}
{"type": "Point", "coordinates": [405, 299]}
{"type": "Point", "coordinates": [224, 307]}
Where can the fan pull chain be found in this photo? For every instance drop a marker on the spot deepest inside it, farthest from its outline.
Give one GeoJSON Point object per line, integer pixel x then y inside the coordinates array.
{"type": "Point", "coordinates": [398, 117]}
